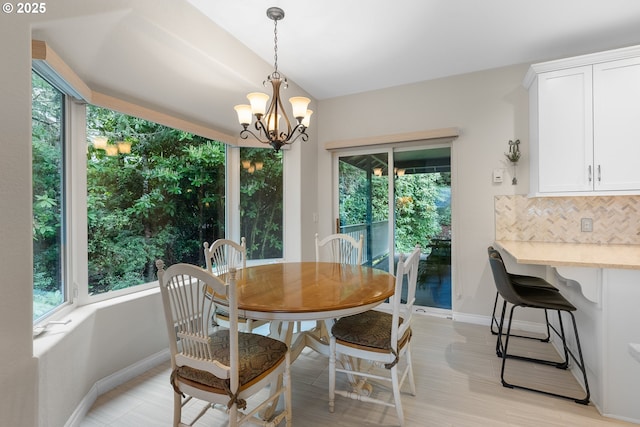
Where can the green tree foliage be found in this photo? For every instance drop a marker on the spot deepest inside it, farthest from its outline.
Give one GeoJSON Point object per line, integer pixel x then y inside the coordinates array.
{"type": "Point", "coordinates": [161, 200]}
{"type": "Point", "coordinates": [47, 166]}
{"type": "Point", "coordinates": [417, 218]}
{"type": "Point", "coordinates": [354, 196]}
{"type": "Point", "coordinates": [261, 203]}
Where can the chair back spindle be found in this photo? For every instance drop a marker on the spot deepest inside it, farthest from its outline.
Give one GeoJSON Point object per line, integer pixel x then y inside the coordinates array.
{"type": "Point", "coordinates": [341, 248]}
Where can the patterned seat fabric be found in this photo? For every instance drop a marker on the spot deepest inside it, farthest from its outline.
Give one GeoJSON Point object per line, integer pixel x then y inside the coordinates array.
{"type": "Point", "coordinates": [370, 329]}
{"type": "Point", "coordinates": [257, 354]}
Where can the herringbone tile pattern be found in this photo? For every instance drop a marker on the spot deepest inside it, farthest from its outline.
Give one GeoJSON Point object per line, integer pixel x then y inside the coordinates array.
{"type": "Point", "coordinates": [616, 219]}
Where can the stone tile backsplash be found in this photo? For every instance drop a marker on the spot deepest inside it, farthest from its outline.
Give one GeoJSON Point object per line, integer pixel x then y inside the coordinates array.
{"type": "Point", "coordinates": [616, 219]}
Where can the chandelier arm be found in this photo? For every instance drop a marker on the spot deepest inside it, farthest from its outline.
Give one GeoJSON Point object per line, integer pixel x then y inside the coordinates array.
{"type": "Point", "coordinates": [244, 134]}
{"type": "Point", "coordinates": [300, 131]}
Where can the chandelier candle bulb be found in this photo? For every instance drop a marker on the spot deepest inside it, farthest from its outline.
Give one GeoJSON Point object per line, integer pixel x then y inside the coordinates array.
{"type": "Point", "coordinates": [307, 118]}
{"type": "Point", "coordinates": [244, 114]}
{"type": "Point", "coordinates": [273, 123]}
{"type": "Point", "coordinates": [299, 105]}
{"type": "Point", "coordinates": [258, 101]}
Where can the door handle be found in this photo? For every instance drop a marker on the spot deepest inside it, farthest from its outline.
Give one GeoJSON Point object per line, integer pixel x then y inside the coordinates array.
{"type": "Point", "coordinates": [599, 174]}
{"type": "Point", "coordinates": [589, 174]}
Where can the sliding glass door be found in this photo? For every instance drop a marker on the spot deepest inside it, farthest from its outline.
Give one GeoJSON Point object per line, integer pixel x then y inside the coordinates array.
{"type": "Point", "coordinates": [396, 199]}
{"type": "Point", "coordinates": [363, 199]}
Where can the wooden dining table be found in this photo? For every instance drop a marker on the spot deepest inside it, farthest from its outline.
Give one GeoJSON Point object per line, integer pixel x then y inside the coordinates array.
{"type": "Point", "coordinates": [290, 292]}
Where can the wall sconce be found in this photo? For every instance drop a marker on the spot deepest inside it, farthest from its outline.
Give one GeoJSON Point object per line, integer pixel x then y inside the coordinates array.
{"type": "Point", "coordinates": [513, 156]}
{"type": "Point", "coordinates": [400, 172]}
{"type": "Point", "coordinates": [377, 171]}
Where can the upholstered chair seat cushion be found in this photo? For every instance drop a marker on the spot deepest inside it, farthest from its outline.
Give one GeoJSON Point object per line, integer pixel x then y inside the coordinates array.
{"type": "Point", "coordinates": [258, 355]}
{"type": "Point", "coordinates": [369, 329]}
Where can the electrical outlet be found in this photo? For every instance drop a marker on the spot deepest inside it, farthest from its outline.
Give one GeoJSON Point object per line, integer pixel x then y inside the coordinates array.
{"type": "Point", "coordinates": [586, 225]}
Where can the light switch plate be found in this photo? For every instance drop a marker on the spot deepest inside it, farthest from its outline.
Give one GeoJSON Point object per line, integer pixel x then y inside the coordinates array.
{"type": "Point", "coordinates": [498, 175]}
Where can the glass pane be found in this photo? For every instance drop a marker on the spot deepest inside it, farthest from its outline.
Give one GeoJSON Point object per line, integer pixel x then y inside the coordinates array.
{"type": "Point", "coordinates": [152, 192]}
{"type": "Point", "coordinates": [261, 202]}
{"type": "Point", "coordinates": [48, 196]}
{"type": "Point", "coordinates": [423, 216]}
{"type": "Point", "coordinates": [364, 204]}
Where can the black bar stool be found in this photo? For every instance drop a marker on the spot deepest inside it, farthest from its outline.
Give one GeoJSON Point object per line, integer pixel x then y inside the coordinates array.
{"type": "Point", "coordinates": [519, 280]}
{"type": "Point", "coordinates": [543, 299]}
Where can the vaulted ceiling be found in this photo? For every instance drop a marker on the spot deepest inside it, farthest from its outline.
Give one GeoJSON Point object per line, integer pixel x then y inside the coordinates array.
{"type": "Point", "coordinates": [195, 59]}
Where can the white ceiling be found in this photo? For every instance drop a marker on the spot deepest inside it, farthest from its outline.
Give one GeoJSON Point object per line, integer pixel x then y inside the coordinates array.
{"type": "Point", "coordinates": [337, 47]}
{"type": "Point", "coordinates": [186, 57]}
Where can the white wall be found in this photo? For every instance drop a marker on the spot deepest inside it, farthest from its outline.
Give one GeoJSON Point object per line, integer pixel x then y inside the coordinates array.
{"type": "Point", "coordinates": [489, 108]}
{"type": "Point", "coordinates": [102, 339]}
{"type": "Point", "coordinates": [18, 370]}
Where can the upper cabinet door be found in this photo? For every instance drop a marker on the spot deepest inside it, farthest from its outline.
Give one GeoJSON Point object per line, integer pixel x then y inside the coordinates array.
{"type": "Point", "coordinates": [616, 124]}
{"type": "Point", "coordinates": [565, 130]}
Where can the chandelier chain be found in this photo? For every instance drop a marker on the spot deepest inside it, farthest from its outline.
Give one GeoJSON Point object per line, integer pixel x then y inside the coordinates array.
{"type": "Point", "coordinates": [275, 45]}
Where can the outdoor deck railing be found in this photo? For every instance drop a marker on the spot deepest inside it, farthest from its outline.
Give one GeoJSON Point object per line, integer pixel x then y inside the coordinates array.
{"type": "Point", "coordinates": [376, 239]}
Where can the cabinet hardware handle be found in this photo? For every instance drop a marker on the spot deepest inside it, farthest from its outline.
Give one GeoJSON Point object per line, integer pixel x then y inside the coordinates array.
{"type": "Point", "coordinates": [589, 173]}
{"type": "Point", "coordinates": [599, 174]}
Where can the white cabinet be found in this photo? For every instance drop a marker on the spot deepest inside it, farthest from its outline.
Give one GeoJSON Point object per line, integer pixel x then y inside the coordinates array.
{"type": "Point", "coordinates": [585, 124]}
{"type": "Point", "coordinates": [565, 131]}
{"type": "Point", "coordinates": [616, 124]}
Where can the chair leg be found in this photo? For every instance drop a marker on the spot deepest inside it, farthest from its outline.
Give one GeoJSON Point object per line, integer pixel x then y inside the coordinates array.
{"type": "Point", "coordinates": [494, 320]}
{"type": "Point", "coordinates": [499, 349]}
{"type": "Point", "coordinates": [332, 373]}
{"type": "Point", "coordinates": [396, 394]}
{"type": "Point", "coordinates": [580, 363]}
{"type": "Point", "coordinates": [412, 383]}
{"type": "Point", "coordinates": [562, 365]}
{"type": "Point", "coordinates": [177, 409]}
{"type": "Point", "coordinates": [565, 348]}
{"type": "Point", "coordinates": [495, 325]}
{"type": "Point", "coordinates": [287, 395]}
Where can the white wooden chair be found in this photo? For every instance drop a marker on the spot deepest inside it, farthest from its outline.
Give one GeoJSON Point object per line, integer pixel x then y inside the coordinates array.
{"type": "Point", "coordinates": [220, 366]}
{"type": "Point", "coordinates": [342, 248]}
{"type": "Point", "coordinates": [222, 255]}
{"type": "Point", "coordinates": [370, 345]}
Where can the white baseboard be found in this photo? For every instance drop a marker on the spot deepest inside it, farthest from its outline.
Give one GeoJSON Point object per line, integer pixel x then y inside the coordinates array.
{"type": "Point", "coordinates": [112, 381]}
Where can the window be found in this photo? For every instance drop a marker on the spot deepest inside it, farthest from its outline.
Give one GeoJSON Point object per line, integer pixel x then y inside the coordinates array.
{"type": "Point", "coordinates": [152, 192]}
{"type": "Point", "coordinates": [48, 165]}
{"type": "Point", "coordinates": [261, 202]}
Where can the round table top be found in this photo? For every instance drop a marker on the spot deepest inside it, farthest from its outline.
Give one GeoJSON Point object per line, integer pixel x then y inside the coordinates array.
{"type": "Point", "coordinates": [310, 290]}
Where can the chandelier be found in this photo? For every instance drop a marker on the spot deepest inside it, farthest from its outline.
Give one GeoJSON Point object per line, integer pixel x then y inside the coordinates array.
{"type": "Point", "coordinates": [272, 126]}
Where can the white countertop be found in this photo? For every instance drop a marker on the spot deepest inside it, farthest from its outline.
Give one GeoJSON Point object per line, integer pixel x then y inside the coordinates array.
{"type": "Point", "coordinates": [573, 254]}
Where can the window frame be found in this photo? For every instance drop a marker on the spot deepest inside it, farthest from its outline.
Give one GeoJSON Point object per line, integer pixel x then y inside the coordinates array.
{"type": "Point", "coordinates": [65, 217]}
{"type": "Point", "coordinates": [75, 241]}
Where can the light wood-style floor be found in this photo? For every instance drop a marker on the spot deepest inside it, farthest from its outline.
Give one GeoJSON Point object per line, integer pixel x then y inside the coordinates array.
{"type": "Point", "coordinates": [457, 376]}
